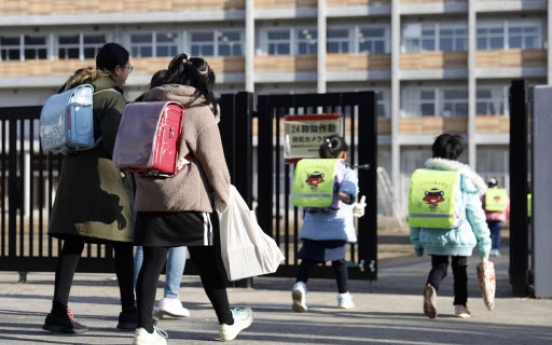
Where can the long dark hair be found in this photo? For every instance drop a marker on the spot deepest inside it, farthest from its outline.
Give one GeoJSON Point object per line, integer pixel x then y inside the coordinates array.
{"type": "Point", "coordinates": [193, 72]}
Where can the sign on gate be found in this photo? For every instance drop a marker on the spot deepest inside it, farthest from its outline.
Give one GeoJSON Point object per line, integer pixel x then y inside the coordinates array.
{"type": "Point", "coordinates": [305, 133]}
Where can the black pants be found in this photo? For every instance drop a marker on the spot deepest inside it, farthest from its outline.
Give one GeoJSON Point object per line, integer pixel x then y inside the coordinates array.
{"type": "Point", "coordinates": [209, 264]}
{"type": "Point", "coordinates": [438, 272]}
{"type": "Point", "coordinates": [339, 266]}
{"type": "Point", "coordinates": [67, 265]}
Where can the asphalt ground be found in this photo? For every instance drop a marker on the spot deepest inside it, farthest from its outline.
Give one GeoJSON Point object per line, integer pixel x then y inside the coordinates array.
{"type": "Point", "coordinates": [387, 311]}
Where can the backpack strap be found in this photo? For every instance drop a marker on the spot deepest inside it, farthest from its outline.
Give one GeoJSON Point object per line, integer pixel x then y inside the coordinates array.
{"type": "Point", "coordinates": [95, 93]}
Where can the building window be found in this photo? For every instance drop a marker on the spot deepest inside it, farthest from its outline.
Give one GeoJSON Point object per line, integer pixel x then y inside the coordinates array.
{"type": "Point", "coordinates": [307, 41]}
{"type": "Point", "coordinates": [338, 41]}
{"type": "Point", "coordinates": [216, 43]}
{"type": "Point", "coordinates": [490, 38]}
{"type": "Point", "coordinates": [92, 44]}
{"type": "Point", "coordinates": [453, 39]}
{"type": "Point", "coordinates": [202, 43]}
{"type": "Point", "coordinates": [278, 42]}
{"type": "Point", "coordinates": [439, 101]}
{"type": "Point", "coordinates": [382, 104]}
{"type": "Point", "coordinates": [435, 37]}
{"type": "Point", "coordinates": [509, 35]}
{"type": "Point", "coordinates": [69, 47]}
{"type": "Point", "coordinates": [11, 48]}
{"type": "Point", "coordinates": [230, 43]}
{"type": "Point", "coordinates": [155, 44]}
{"type": "Point", "coordinates": [523, 36]}
{"type": "Point", "coordinates": [166, 44]}
{"type": "Point", "coordinates": [372, 40]}
{"type": "Point", "coordinates": [453, 102]}
{"type": "Point", "coordinates": [492, 100]}
{"type": "Point", "coordinates": [141, 45]}
{"type": "Point", "coordinates": [35, 47]}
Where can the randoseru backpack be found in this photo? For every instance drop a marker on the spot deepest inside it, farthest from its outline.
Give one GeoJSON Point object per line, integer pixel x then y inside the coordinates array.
{"type": "Point", "coordinates": [313, 182]}
{"type": "Point", "coordinates": [434, 199]}
{"type": "Point", "coordinates": [67, 121]}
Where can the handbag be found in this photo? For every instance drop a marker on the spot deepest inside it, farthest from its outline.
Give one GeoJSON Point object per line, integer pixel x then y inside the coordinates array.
{"type": "Point", "coordinates": [487, 282]}
{"type": "Point", "coordinates": [246, 250]}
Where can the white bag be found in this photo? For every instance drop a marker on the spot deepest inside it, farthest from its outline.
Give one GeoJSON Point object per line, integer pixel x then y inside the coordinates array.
{"type": "Point", "coordinates": [246, 250]}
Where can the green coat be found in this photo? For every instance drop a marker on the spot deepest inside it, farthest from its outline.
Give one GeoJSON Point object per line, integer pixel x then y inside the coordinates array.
{"type": "Point", "coordinates": [94, 200]}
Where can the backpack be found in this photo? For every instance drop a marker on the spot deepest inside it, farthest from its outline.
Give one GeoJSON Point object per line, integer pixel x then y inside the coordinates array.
{"type": "Point", "coordinates": [434, 199]}
{"type": "Point", "coordinates": [313, 182]}
{"type": "Point", "coordinates": [496, 199]}
{"type": "Point", "coordinates": [67, 121]}
{"type": "Point", "coordinates": [148, 139]}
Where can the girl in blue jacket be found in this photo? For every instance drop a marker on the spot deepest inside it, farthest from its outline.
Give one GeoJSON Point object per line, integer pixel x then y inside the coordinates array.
{"type": "Point", "coordinates": [457, 242]}
{"type": "Point", "coordinates": [325, 232]}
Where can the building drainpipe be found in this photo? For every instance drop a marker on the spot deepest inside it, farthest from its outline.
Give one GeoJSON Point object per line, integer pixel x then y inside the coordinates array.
{"type": "Point", "coordinates": [249, 46]}
{"type": "Point", "coordinates": [321, 61]}
{"type": "Point", "coordinates": [472, 86]}
{"type": "Point", "coordinates": [395, 95]}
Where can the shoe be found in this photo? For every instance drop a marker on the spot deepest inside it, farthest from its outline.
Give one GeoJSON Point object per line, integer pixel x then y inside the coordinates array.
{"type": "Point", "coordinates": [65, 323]}
{"type": "Point", "coordinates": [128, 320]}
{"type": "Point", "coordinates": [345, 301]}
{"type": "Point", "coordinates": [143, 337]}
{"type": "Point", "coordinates": [495, 252]}
{"type": "Point", "coordinates": [299, 297]}
{"type": "Point", "coordinates": [461, 311]}
{"type": "Point", "coordinates": [430, 302]}
{"type": "Point", "coordinates": [171, 307]}
{"type": "Point", "coordinates": [243, 317]}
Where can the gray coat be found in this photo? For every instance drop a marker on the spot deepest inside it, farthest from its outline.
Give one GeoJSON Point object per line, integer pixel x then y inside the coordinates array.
{"type": "Point", "coordinates": [94, 200]}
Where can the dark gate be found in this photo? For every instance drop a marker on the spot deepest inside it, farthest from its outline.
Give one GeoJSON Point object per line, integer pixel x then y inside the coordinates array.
{"type": "Point", "coordinates": [276, 214]}
{"type": "Point", "coordinates": [28, 179]}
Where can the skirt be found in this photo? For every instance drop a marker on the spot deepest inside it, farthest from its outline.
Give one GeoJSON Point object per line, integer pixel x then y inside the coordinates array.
{"type": "Point", "coordinates": [322, 251]}
{"type": "Point", "coordinates": [175, 229]}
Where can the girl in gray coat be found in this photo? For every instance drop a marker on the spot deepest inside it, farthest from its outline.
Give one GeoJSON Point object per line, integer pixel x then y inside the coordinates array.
{"type": "Point", "coordinates": [457, 242]}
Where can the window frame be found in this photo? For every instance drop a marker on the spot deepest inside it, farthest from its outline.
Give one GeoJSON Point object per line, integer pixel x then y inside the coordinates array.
{"type": "Point", "coordinates": [505, 26]}
{"type": "Point", "coordinates": [19, 48]}
{"type": "Point", "coordinates": [386, 38]}
{"type": "Point", "coordinates": [438, 100]}
{"type": "Point", "coordinates": [436, 38]}
{"type": "Point", "coordinates": [488, 101]}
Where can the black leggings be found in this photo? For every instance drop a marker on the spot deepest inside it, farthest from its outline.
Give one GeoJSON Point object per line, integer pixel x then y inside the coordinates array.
{"type": "Point", "coordinates": [209, 264]}
{"type": "Point", "coordinates": [340, 268]}
{"type": "Point", "coordinates": [67, 265]}
{"type": "Point", "coordinates": [438, 272]}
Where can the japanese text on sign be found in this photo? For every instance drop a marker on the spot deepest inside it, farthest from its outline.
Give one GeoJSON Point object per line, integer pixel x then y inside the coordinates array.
{"type": "Point", "coordinates": [305, 134]}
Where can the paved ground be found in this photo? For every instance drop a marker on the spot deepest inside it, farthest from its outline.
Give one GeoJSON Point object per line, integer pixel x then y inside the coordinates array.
{"type": "Point", "coordinates": [388, 311]}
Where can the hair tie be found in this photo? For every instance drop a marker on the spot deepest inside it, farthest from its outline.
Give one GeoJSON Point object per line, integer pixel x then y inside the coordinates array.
{"type": "Point", "coordinates": [329, 142]}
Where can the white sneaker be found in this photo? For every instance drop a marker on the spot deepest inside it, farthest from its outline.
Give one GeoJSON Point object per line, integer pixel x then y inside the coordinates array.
{"type": "Point", "coordinates": [143, 337]}
{"type": "Point", "coordinates": [243, 317]}
{"type": "Point", "coordinates": [299, 297]}
{"type": "Point", "coordinates": [345, 301]}
{"type": "Point", "coordinates": [171, 307]}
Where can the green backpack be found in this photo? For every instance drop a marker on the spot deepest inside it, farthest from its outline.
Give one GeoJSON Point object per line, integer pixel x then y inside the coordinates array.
{"type": "Point", "coordinates": [433, 199]}
{"type": "Point", "coordinates": [313, 182]}
{"type": "Point", "coordinates": [495, 199]}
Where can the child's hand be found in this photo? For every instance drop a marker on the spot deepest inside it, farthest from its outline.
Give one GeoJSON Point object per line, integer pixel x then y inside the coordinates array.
{"type": "Point", "coordinates": [344, 197]}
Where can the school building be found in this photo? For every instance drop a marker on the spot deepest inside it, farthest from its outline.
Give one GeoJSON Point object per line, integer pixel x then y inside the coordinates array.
{"type": "Point", "coordinates": [437, 65]}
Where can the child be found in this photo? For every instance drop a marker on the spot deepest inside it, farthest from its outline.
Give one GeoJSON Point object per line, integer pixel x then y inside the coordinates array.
{"type": "Point", "coordinates": [497, 210]}
{"type": "Point", "coordinates": [324, 232]}
{"type": "Point", "coordinates": [458, 241]}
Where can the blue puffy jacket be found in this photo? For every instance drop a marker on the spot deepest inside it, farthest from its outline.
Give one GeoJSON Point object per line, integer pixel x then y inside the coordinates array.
{"type": "Point", "coordinates": [471, 231]}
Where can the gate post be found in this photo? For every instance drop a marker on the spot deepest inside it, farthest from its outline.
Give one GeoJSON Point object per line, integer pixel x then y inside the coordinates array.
{"type": "Point", "coordinates": [368, 224]}
{"type": "Point", "coordinates": [519, 263]}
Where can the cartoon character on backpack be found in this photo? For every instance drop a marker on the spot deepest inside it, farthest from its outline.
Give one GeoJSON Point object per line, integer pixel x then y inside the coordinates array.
{"type": "Point", "coordinates": [433, 198]}
{"type": "Point", "coordinates": [314, 179]}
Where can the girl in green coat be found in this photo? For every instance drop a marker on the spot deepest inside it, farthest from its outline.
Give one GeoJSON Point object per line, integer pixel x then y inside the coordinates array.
{"type": "Point", "coordinates": [94, 200]}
